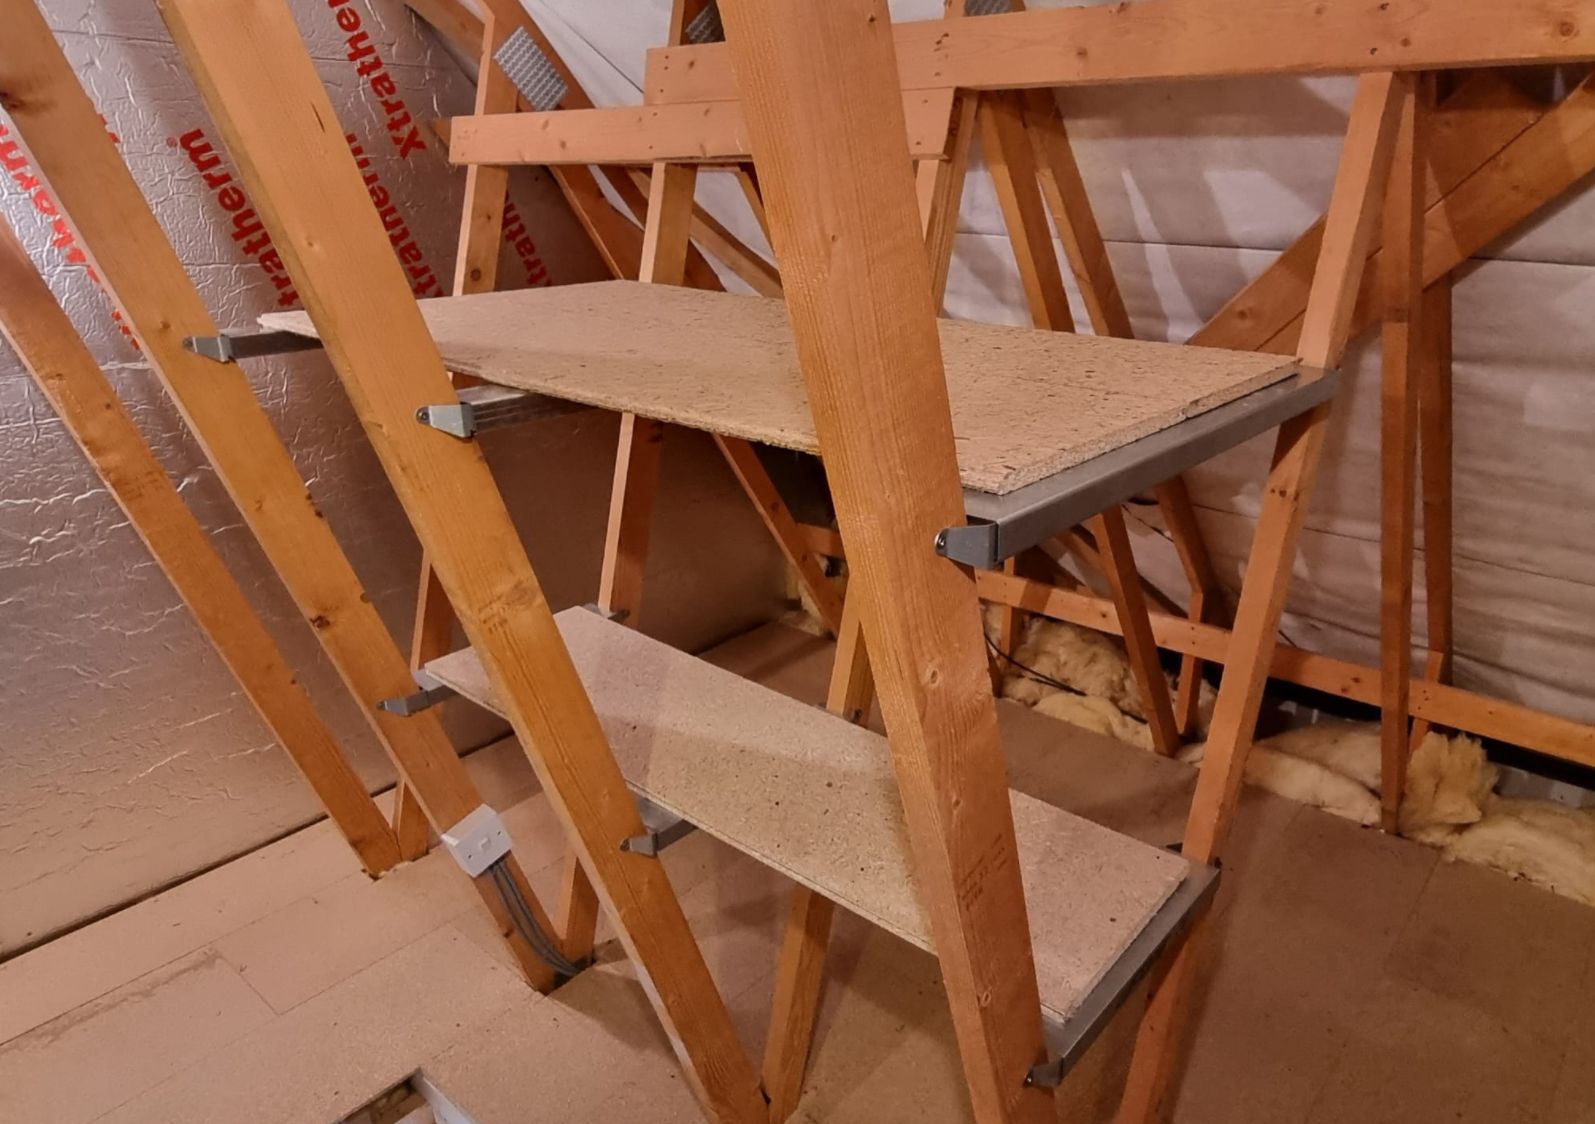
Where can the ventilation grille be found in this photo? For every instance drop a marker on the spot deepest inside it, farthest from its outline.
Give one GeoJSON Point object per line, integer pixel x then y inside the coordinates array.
{"type": "Point", "coordinates": [706, 26]}
{"type": "Point", "coordinates": [531, 72]}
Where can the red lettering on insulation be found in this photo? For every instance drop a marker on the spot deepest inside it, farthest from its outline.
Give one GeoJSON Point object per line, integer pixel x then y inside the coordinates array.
{"type": "Point", "coordinates": [520, 240]}
{"type": "Point", "coordinates": [62, 237]}
{"type": "Point", "coordinates": [402, 128]}
{"type": "Point", "coordinates": [247, 229]}
{"type": "Point", "coordinates": [423, 282]}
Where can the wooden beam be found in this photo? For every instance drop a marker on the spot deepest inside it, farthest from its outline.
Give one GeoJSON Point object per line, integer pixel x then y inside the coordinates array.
{"type": "Point", "coordinates": [1207, 593]}
{"type": "Point", "coordinates": [636, 476]}
{"type": "Point", "coordinates": [1119, 569]}
{"type": "Point", "coordinates": [744, 462]}
{"type": "Point", "coordinates": [1014, 174]}
{"type": "Point", "coordinates": [1064, 189]}
{"type": "Point", "coordinates": [1350, 223]}
{"type": "Point", "coordinates": [631, 185]}
{"type": "Point", "coordinates": [1548, 158]}
{"type": "Point", "coordinates": [1541, 164]}
{"type": "Point", "coordinates": [799, 976]}
{"type": "Point", "coordinates": [669, 224]}
{"type": "Point", "coordinates": [820, 91]}
{"type": "Point", "coordinates": [633, 489]}
{"type": "Point", "coordinates": [1437, 702]}
{"type": "Point", "coordinates": [748, 181]}
{"type": "Point", "coordinates": [1402, 283]}
{"type": "Point", "coordinates": [706, 132]}
{"type": "Point", "coordinates": [1174, 40]}
{"type": "Point", "coordinates": [617, 239]}
{"type": "Point", "coordinates": [1010, 625]}
{"type": "Point", "coordinates": [630, 516]}
{"type": "Point", "coordinates": [66, 138]}
{"type": "Point", "coordinates": [1015, 177]}
{"type": "Point", "coordinates": [276, 123]}
{"type": "Point", "coordinates": [1364, 166]}
{"type": "Point", "coordinates": [1485, 114]}
{"type": "Point", "coordinates": [475, 271]}
{"type": "Point", "coordinates": [821, 540]}
{"type": "Point", "coordinates": [757, 273]}
{"type": "Point", "coordinates": [1435, 449]}
{"type": "Point", "coordinates": [940, 188]}
{"type": "Point", "coordinates": [482, 224]}
{"type": "Point", "coordinates": [800, 969]}
{"type": "Point", "coordinates": [1436, 669]}
{"type": "Point", "coordinates": [453, 20]}
{"type": "Point", "coordinates": [410, 828]}
{"type": "Point", "coordinates": [1161, 1040]}
{"type": "Point", "coordinates": [53, 353]}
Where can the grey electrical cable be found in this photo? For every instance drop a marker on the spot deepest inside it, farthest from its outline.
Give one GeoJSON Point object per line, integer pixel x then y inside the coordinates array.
{"type": "Point", "coordinates": [525, 921]}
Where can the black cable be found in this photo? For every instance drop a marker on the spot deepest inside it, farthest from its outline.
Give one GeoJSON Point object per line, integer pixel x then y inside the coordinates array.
{"type": "Point", "coordinates": [1045, 680]}
{"type": "Point", "coordinates": [525, 921]}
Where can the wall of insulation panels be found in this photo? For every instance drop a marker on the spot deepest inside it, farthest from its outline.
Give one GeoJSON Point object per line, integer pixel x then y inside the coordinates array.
{"type": "Point", "coordinates": [128, 756]}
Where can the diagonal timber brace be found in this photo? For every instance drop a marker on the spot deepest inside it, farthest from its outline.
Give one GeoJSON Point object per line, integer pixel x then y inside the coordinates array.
{"type": "Point", "coordinates": [67, 140]}
{"type": "Point", "coordinates": [274, 121]}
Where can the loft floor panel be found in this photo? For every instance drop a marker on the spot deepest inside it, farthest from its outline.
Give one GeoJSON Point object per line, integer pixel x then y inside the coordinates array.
{"type": "Point", "coordinates": [1025, 403]}
{"type": "Point", "coordinates": [814, 796]}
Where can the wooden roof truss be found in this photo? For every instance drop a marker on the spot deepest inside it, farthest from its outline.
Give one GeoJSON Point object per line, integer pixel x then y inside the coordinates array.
{"type": "Point", "coordinates": [819, 106]}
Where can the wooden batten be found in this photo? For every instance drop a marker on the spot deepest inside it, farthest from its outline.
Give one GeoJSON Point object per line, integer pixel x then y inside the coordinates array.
{"type": "Point", "coordinates": [1401, 269]}
{"type": "Point", "coordinates": [1432, 699]}
{"type": "Point", "coordinates": [44, 339]}
{"type": "Point", "coordinates": [836, 122]}
{"type": "Point", "coordinates": [99, 199]}
{"type": "Point", "coordinates": [818, 85]}
{"type": "Point", "coordinates": [1154, 40]}
{"type": "Point", "coordinates": [710, 132]}
{"type": "Point", "coordinates": [311, 198]}
{"type": "Point", "coordinates": [1364, 165]}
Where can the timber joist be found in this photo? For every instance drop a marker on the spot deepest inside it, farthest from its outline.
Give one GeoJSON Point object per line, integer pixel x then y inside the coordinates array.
{"type": "Point", "coordinates": [818, 96]}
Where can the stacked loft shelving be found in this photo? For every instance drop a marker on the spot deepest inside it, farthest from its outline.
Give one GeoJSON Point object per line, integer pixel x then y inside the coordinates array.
{"type": "Point", "coordinates": [947, 447]}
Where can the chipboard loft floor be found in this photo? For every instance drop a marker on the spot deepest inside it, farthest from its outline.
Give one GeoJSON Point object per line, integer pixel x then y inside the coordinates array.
{"type": "Point", "coordinates": [814, 797]}
{"type": "Point", "coordinates": [1358, 978]}
{"type": "Point", "coordinates": [1025, 403]}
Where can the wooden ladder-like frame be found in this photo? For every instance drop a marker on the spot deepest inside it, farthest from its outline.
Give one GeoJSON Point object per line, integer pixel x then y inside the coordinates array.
{"type": "Point", "coordinates": [1499, 156]}
{"type": "Point", "coordinates": [1009, 123]}
{"type": "Point", "coordinates": [880, 405]}
{"type": "Point", "coordinates": [824, 109]}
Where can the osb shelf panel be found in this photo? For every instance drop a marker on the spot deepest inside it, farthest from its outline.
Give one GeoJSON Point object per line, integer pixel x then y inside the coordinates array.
{"type": "Point", "coordinates": [814, 796]}
{"type": "Point", "coordinates": [1025, 403]}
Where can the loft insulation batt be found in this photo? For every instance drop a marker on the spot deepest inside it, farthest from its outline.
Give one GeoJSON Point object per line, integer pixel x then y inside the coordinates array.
{"type": "Point", "coordinates": [814, 796]}
{"type": "Point", "coordinates": [1025, 403]}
